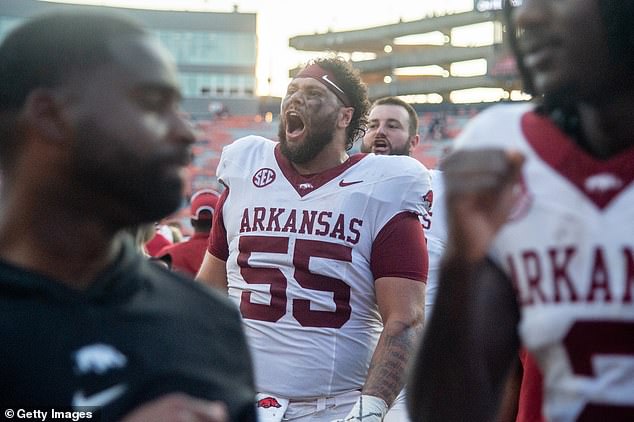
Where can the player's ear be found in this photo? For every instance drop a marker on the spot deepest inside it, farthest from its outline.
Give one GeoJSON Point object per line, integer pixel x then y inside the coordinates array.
{"type": "Point", "coordinates": [345, 116]}
{"type": "Point", "coordinates": [42, 114]}
{"type": "Point", "coordinates": [414, 141]}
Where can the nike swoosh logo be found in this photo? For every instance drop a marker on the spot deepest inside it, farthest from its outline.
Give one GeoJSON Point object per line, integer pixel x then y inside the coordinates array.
{"type": "Point", "coordinates": [99, 399]}
{"type": "Point", "coordinates": [325, 78]}
{"type": "Point", "coordinates": [344, 184]}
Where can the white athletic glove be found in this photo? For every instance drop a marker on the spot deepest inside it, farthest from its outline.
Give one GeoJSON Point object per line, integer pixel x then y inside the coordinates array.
{"type": "Point", "coordinates": [366, 409]}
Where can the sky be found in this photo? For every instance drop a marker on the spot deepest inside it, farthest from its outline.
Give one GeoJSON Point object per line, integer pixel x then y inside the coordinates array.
{"type": "Point", "coordinates": [278, 20]}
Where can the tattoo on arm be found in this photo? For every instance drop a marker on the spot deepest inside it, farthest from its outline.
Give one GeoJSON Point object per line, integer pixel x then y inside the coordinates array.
{"type": "Point", "coordinates": [386, 376]}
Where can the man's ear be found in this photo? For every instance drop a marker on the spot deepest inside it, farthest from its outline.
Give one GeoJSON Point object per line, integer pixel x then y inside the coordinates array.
{"type": "Point", "coordinates": [345, 116]}
{"type": "Point", "coordinates": [42, 112]}
{"type": "Point", "coordinates": [413, 142]}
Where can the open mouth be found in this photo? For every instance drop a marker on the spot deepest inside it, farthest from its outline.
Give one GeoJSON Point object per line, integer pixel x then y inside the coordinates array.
{"type": "Point", "coordinates": [379, 146]}
{"type": "Point", "coordinates": [294, 124]}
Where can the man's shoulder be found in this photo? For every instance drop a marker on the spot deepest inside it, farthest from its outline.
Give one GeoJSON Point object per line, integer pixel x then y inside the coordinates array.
{"type": "Point", "coordinates": [393, 165]}
{"type": "Point", "coordinates": [395, 173]}
{"type": "Point", "coordinates": [392, 182]}
{"type": "Point", "coordinates": [499, 113]}
{"type": "Point", "coordinates": [245, 153]}
{"type": "Point", "coordinates": [173, 286]}
{"type": "Point", "coordinates": [495, 126]}
{"type": "Point", "coordinates": [251, 143]}
{"type": "Point", "coordinates": [14, 279]}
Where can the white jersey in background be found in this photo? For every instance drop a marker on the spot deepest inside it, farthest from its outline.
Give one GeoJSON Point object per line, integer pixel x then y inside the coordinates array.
{"type": "Point", "coordinates": [436, 235]}
{"type": "Point", "coordinates": [569, 249]}
{"type": "Point", "coordinates": [300, 266]}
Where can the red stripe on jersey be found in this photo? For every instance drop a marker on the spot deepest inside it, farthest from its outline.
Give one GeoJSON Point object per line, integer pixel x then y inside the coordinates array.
{"type": "Point", "coordinates": [400, 249]}
{"type": "Point", "coordinates": [218, 245]}
{"type": "Point", "coordinates": [568, 159]}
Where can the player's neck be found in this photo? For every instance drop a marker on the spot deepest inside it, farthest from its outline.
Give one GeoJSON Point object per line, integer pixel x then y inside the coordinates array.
{"type": "Point", "coordinates": [330, 157]}
{"type": "Point", "coordinates": [50, 241]}
{"type": "Point", "coordinates": [608, 128]}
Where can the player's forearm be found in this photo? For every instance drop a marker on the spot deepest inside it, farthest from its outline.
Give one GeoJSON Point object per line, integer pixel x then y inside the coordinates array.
{"type": "Point", "coordinates": [387, 373]}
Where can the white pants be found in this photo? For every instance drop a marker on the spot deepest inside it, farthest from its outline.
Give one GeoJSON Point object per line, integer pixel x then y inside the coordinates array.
{"type": "Point", "coordinates": [398, 410]}
{"type": "Point", "coordinates": [327, 409]}
{"type": "Point", "coordinates": [324, 409]}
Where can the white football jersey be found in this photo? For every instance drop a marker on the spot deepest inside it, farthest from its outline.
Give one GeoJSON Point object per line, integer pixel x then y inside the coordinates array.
{"type": "Point", "coordinates": [299, 261]}
{"type": "Point", "coordinates": [569, 249]}
{"type": "Point", "coordinates": [436, 235]}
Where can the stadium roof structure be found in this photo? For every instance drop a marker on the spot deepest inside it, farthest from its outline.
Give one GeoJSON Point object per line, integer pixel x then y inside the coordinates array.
{"type": "Point", "coordinates": [501, 72]}
{"type": "Point", "coordinates": [373, 39]}
{"type": "Point", "coordinates": [215, 52]}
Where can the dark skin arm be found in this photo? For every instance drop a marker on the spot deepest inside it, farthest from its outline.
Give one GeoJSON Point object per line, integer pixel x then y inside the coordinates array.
{"type": "Point", "coordinates": [471, 340]}
{"type": "Point", "coordinates": [510, 397]}
{"type": "Point", "coordinates": [468, 347]}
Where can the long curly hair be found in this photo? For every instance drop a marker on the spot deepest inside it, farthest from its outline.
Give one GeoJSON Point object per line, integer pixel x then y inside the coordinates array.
{"type": "Point", "coordinates": [350, 81]}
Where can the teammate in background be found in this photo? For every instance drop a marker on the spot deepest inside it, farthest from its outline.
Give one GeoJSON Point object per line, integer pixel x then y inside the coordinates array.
{"type": "Point", "coordinates": [541, 229]}
{"type": "Point", "coordinates": [393, 130]}
{"type": "Point", "coordinates": [187, 256]}
{"type": "Point", "coordinates": [91, 141]}
{"type": "Point", "coordinates": [322, 253]}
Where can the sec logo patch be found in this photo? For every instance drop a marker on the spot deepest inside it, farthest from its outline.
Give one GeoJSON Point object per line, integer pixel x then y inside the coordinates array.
{"type": "Point", "coordinates": [263, 177]}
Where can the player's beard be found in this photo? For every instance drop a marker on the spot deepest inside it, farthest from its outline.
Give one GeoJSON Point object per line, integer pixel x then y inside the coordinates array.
{"type": "Point", "coordinates": [318, 135]}
{"type": "Point", "coordinates": [402, 150]}
{"type": "Point", "coordinates": [137, 190]}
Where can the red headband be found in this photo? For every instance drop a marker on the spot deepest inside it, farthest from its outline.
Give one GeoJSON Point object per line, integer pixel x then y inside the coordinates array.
{"type": "Point", "coordinates": [327, 78]}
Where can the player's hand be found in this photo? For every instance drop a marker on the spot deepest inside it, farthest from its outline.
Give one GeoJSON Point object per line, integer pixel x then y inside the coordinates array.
{"type": "Point", "coordinates": [179, 407]}
{"type": "Point", "coordinates": [366, 409]}
{"type": "Point", "coordinates": [480, 193]}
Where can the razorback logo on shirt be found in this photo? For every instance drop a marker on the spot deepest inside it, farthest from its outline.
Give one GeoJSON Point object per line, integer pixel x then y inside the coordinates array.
{"type": "Point", "coordinates": [602, 182]}
{"type": "Point", "coordinates": [98, 358]}
{"type": "Point", "coordinates": [268, 402]}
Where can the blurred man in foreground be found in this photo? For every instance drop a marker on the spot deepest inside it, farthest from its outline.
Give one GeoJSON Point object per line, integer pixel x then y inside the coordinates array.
{"type": "Point", "coordinates": [91, 142]}
{"type": "Point", "coordinates": [541, 228]}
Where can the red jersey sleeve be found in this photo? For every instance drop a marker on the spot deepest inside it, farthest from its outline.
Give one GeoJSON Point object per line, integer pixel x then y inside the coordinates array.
{"type": "Point", "coordinates": [400, 249]}
{"type": "Point", "coordinates": [218, 245]}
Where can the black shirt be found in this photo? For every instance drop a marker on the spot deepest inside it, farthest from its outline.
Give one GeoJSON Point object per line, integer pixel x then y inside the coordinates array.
{"type": "Point", "coordinates": [137, 333]}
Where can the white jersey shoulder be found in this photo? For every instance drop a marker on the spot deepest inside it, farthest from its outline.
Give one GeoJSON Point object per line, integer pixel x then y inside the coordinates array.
{"type": "Point", "coordinates": [239, 154]}
{"type": "Point", "coordinates": [497, 126]}
{"type": "Point", "coordinates": [403, 176]}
